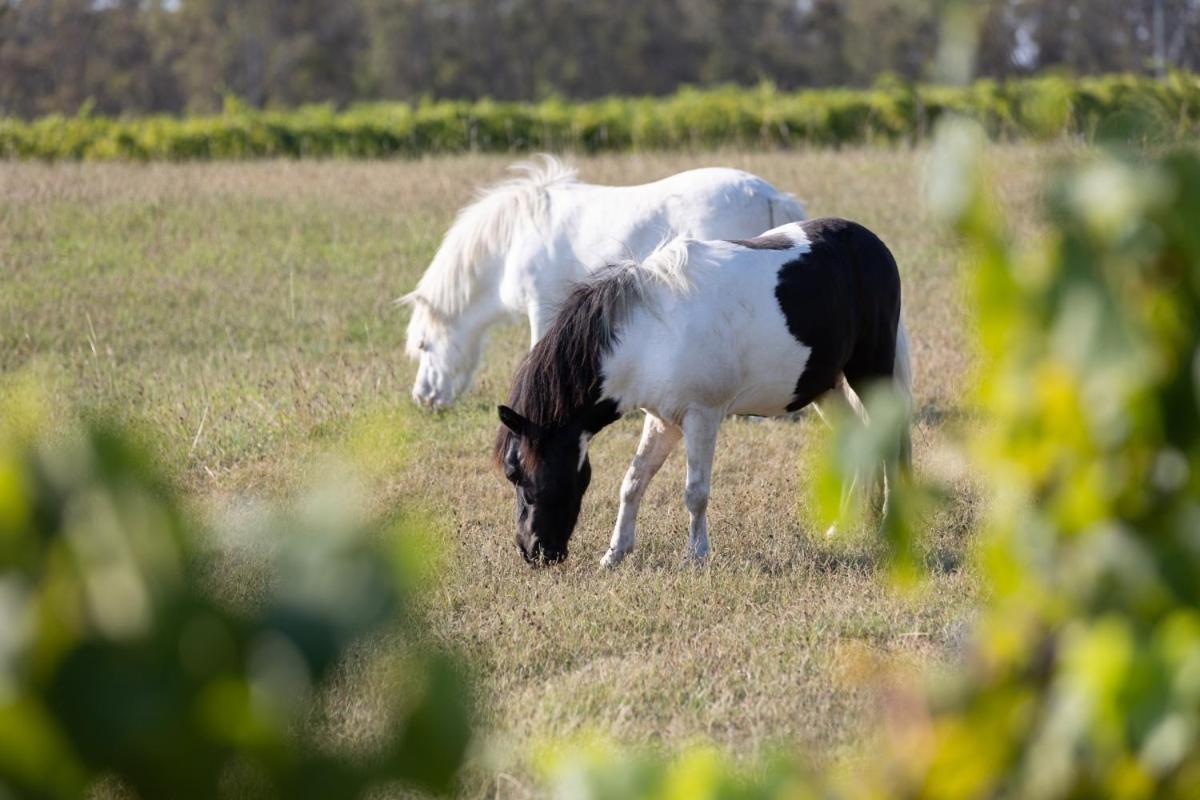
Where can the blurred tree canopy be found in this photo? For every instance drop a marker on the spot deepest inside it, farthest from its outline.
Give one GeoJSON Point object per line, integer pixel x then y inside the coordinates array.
{"type": "Point", "coordinates": [137, 56]}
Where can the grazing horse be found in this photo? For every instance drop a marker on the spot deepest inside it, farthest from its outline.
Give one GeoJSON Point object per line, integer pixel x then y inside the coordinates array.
{"type": "Point", "coordinates": [698, 331]}
{"type": "Point", "coordinates": [518, 248]}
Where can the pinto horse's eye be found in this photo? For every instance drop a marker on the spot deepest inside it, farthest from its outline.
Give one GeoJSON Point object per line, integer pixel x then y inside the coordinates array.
{"type": "Point", "coordinates": [512, 471]}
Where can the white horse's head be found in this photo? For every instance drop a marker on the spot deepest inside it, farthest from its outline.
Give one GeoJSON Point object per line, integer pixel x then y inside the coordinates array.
{"type": "Point", "coordinates": [446, 354]}
{"type": "Point", "coordinates": [458, 296]}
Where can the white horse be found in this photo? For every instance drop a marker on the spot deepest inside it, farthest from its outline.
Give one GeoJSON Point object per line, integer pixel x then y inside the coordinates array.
{"type": "Point", "coordinates": [698, 331]}
{"type": "Point", "coordinates": [517, 249]}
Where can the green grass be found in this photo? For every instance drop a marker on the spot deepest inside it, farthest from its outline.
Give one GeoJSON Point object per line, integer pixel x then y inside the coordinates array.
{"type": "Point", "coordinates": [242, 313]}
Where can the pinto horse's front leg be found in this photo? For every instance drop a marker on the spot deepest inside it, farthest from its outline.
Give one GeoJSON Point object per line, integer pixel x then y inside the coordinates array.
{"type": "Point", "coordinates": [658, 439]}
{"type": "Point", "coordinates": [700, 438]}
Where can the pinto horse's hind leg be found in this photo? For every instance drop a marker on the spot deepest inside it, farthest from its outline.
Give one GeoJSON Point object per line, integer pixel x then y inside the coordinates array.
{"type": "Point", "coordinates": [658, 439]}
{"type": "Point", "coordinates": [700, 438]}
{"type": "Point", "coordinates": [902, 377]}
{"type": "Point", "coordinates": [841, 395]}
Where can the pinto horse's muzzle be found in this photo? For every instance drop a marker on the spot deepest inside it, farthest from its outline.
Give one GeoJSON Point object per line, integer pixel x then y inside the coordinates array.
{"type": "Point", "coordinates": [536, 555]}
{"type": "Point", "coordinates": [532, 548]}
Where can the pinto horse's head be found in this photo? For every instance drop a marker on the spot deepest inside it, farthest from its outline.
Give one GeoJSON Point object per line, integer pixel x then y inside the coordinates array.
{"type": "Point", "coordinates": [550, 472]}
{"type": "Point", "coordinates": [559, 391]}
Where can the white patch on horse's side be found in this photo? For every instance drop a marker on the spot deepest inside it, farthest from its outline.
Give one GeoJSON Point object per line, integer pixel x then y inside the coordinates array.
{"type": "Point", "coordinates": [584, 438]}
{"type": "Point", "coordinates": [521, 245]}
{"type": "Point", "coordinates": [716, 332]}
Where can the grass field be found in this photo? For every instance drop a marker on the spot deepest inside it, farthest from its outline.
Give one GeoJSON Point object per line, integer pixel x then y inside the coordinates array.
{"type": "Point", "coordinates": [242, 314]}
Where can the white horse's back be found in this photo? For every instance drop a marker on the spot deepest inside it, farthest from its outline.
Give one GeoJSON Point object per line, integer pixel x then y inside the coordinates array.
{"type": "Point", "coordinates": [723, 203]}
{"type": "Point", "coordinates": [610, 222]}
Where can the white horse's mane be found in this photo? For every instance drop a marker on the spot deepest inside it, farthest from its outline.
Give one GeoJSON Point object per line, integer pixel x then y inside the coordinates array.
{"type": "Point", "coordinates": [483, 228]}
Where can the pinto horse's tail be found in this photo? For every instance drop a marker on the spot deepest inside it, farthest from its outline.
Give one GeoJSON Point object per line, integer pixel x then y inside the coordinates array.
{"type": "Point", "coordinates": [902, 375]}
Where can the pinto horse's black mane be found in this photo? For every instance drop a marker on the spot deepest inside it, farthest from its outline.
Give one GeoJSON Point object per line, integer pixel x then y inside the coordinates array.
{"type": "Point", "coordinates": [560, 377]}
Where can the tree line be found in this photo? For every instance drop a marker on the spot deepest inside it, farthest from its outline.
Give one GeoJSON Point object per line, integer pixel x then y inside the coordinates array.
{"type": "Point", "coordinates": [140, 56]}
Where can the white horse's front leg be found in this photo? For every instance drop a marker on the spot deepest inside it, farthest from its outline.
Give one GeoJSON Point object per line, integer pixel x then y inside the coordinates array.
{"type": "Point", "coordinates": [700, 437]}
{"type": "Point", "coordinates": [541, 316]}
{"type": "Point", "coordinates": [658, 439]}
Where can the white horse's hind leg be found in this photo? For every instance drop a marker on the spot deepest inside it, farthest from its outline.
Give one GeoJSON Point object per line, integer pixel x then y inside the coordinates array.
{"type": "Point", "coordinates": [658, 439]}
{"type": "Point", "coordinates": [700, 438]}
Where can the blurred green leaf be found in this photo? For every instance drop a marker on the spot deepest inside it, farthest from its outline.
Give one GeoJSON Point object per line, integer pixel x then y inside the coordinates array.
{"type": "Point", "coordinates": [116, 661]}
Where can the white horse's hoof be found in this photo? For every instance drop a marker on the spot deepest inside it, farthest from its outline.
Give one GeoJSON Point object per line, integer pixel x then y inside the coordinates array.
{"type": "Point", "coordinates": [611, 559]}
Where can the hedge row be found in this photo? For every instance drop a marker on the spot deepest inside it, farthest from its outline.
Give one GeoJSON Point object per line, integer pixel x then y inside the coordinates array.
{"type": "Point", "coordinates": [1044, 107]}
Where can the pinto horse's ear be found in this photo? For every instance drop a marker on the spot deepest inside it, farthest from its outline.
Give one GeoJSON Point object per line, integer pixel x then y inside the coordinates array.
{"type": "Point", "coordinates": [513, 421]}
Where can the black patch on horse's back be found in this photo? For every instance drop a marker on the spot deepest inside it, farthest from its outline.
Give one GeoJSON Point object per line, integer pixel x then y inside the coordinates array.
{"type": "Point", "coordinates": [774, 241]}
{"type": "Point", "coordinates": [559, 381]}
{"type": "Point", "coordinates": [842, 300]}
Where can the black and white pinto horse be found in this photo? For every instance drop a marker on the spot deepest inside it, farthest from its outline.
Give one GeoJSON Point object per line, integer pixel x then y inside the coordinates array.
{"type": "Point", "coordinates": [699, 331]}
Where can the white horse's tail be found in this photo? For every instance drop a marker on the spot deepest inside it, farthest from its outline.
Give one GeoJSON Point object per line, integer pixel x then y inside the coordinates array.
{"type": "Point", "coordinates": [902, 375]}
{"type": "Point", "coordinates": [784, 208]}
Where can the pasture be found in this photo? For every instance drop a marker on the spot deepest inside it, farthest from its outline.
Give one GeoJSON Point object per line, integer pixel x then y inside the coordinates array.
{"type": "Point", "coordinates": [241, 314]}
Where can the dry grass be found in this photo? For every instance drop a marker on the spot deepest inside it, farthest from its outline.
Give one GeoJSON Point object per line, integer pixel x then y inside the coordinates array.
{"type": "Point", "coordinates": [242, 313]}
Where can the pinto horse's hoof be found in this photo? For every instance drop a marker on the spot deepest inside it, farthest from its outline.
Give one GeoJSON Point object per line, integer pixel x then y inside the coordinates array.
{"type": "Point", "coordinates": [611, 559]}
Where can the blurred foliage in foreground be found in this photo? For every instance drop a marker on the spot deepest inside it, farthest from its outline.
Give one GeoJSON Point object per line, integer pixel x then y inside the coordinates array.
{"type": "Point", "coordinates": [1083, 678]}
{"type": "Point", "coordinates": [1087, 674]}
{"type": "Point", "coordinates": [116, 664]}
{"type": "Point", "coordinates": [892, 111]}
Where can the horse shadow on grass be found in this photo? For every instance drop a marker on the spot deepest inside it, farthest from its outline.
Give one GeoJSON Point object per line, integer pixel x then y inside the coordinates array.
{"type": "Point", "coordinates": [942, 550]}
